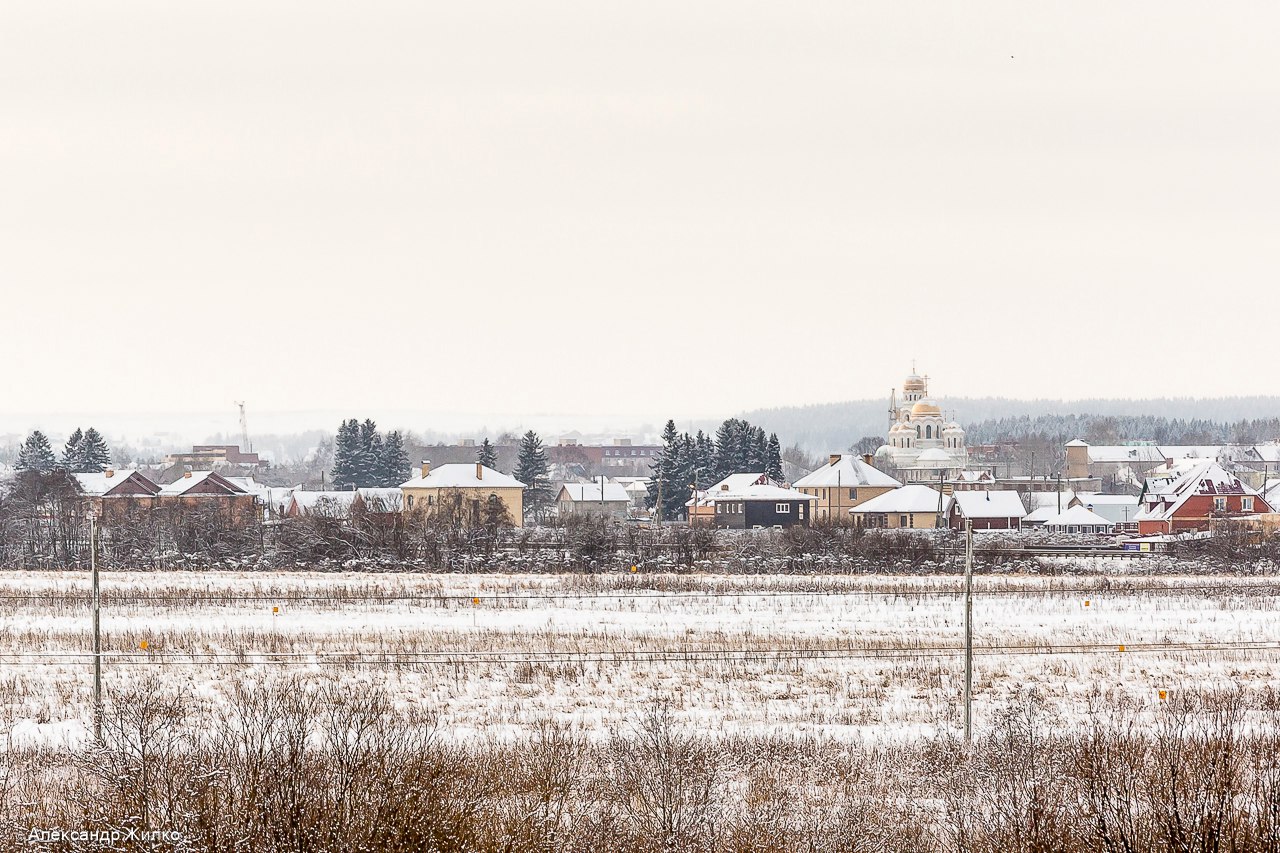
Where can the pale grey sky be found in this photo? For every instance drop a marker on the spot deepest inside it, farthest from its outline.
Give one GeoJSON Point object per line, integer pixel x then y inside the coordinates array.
{"type": "Point", "coordinates": [661, 208]}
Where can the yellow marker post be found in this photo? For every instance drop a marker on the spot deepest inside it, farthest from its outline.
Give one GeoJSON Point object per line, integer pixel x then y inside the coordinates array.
{"type": "Point", "coordinates": [275, 610]}
{"type": "Point", "coordinates": [1086, 602]}
{"type": "Point", "coordinates": [1122, 647]}
{"type": "Point", "coordinates": [143, 645]}
{"type": "Point", "coordinates": [1164, 694]}
{"type": "Point", "coordinates": [475, 600]}
{"type": "Point", "coordinates": [633, 568]}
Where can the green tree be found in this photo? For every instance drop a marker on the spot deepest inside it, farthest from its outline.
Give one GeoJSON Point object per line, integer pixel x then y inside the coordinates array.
{"type": "Point", "coordinates": [346, 455]}
{"type": "Point", "coordinates": [532, 469]}
{"type": "Point", "coordinates": [36, 454]}
{"type": "Point", "coordinates": [71, 450]}
{"type": "Point", "coordinates": [395, 460]}
{"type": "Point", "coordinates": [773, 458]}
{"type": "Point", "coordinates": [94, 456]}
{"type": "Point", "coordinates": [487, 454]}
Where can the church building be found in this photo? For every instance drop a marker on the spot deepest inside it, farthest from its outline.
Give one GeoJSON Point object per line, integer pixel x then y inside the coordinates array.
{"type": "Point", "coordinates": [922, 446]}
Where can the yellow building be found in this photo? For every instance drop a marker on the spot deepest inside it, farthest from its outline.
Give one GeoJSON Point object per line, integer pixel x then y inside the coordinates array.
{"type": "Point", "coordinates": [915, 506]}
{"type": "Point", "coordinates": [843, 483]}
{"type": "Point", "coordinates": [463, 487]}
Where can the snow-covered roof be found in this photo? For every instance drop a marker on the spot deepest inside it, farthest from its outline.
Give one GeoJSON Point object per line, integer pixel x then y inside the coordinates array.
{"type": "Point", "coordinates": [461, 475]}
{"type": "Point", "coordinates": [1040, 515]}
{"type": "Point", "coordinates": [101, 484]}
{"type": "Point", "coordinates": [847, 471]}
{"type": "Point", "coordinates": [1165, 496]}
{"type": "Point", "coordinates": [1039, 500]}
{"type": "Point", "coordinates": [973, 477]}
{"type": "Point", "coordinates": [731, 483]}
{"type": "Point", "coordinates": [188, 481]}
{"type": "Point", "coordinates": [381, 498]}
{"type": "Point", "coordinates": [1077, 516]}
{"type": "Point", "coordinates": [590, 492]}
{"type": "Point", "coordinates": [989, 504]}
{"type": "Point", "coordinates": [761, 492]}
{"type": "Point", "coordinates": [913, 498]}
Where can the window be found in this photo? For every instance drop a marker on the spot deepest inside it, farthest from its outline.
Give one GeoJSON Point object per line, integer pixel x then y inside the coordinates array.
{"type": "Point", "coordinates": [410, 501]}
{"type": "Point", "coordinates": [782, 509]}
{"type": "Point", "coordinates": [902, 521]}
{"type": "Point", "coordinates": [800, 512]}
{"type": "Point", "coordinates": [853, 494]}
{"type": "Point", "coordinates": [1246, 504]}
{"type": "Point", "coordinates": [1220, 504]}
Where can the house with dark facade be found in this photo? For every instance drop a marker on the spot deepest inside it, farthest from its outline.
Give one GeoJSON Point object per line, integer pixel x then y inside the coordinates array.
{"type": "Point", "coordinates": [760, 505]}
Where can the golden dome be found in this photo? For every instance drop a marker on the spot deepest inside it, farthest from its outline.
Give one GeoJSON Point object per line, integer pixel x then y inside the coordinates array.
{"type": "Point", "coordinates": [913, 383]}
{"type": "Point", "coordinates": [924, 408]}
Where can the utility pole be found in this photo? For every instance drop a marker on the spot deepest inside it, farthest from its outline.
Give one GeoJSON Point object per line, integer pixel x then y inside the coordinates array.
{"type": "Point", "coordinates": [97, 634]}
{"type": "Point", "coordinates": [938, 523]}
{"type": "Point", "coordinates": [968, 632]}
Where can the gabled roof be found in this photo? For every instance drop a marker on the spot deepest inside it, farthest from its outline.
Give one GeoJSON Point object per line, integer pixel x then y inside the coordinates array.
{"type": "Point", "coordinates": [913, 498]}
{"type": "Point", "coordinates": [379, 499]}
{"type": "Point", "coordinates": [105, 483]}
{"type": "Point", "coordinates": [1164, 496]}
{"type": "Point", "coordinates": [590, 492]}
{"type": "Point", "coordinates": [732, 483]}
{"type": "Point", "coordinates": [188, 481]}
{"type": "Point", "coordinates": [461, 475]}
{"type": "Point", "coordinates": [847, 471]}
{"type": "Point", "coordinates": [760, 492]}
{"type": "Point", "coordinates": [1077, 516]}
{"type": "Point", "coordinates": [989, 504]}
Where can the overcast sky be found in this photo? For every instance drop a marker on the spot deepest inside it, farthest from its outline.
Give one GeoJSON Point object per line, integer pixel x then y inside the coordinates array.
{"type": "Point", "coordinates": [684, 208]}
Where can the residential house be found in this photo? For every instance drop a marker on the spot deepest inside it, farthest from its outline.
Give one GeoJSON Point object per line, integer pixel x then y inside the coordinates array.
{"type": "Point", "coordinates": [1193, 497]}
{"type": "Point", "coordinates": [986, 510]}
{"type": "Point", "coordinates": [372, 501]}
{"type": "Point", "coordinates": [701, 507]}
{"type": "Point", "coordinates": [760, 505]}
{"type": "Point", "coordinates": [206, 490]}
{"type": "Point", "coordinates": [113, 495]}
{"type": "Point", "coordinates": [598, 498]}
{"type": "Point", "coordinates": [1078, 519]}
{"type": "Point", "coordinates": [274, 500]}
{"type": "Point", "coordinates": [913, 506]}
{"type": "Point", "coordinates": [844, 482]}
{"type": "Point", "coordinates": [471, 484]}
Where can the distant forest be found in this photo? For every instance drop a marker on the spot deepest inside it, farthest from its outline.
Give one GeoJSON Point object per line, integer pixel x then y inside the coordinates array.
{"type": "Point", "coordinates": [835, 427]}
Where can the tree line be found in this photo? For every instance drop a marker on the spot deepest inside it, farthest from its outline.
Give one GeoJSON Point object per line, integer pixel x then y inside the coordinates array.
{"type": "Point", "coordinates": [363, 458]}
{"type": "Point", "coordinates": [85, 452]}
{"type": "Point", "coordinates": [687, 461]}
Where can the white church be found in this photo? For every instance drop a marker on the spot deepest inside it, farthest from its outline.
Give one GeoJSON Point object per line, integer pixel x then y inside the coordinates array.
{"type": "Point", "coordinates": [922, 445]}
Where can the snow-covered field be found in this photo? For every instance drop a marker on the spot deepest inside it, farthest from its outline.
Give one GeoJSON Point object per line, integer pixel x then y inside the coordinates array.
{"type": "Point", "coordinates": [868, 657]}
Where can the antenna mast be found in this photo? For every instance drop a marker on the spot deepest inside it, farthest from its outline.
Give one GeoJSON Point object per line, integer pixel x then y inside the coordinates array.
{"type": "Point", "coordinates": [244, 428]}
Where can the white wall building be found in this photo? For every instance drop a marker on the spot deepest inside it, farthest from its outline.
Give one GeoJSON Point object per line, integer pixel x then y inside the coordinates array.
{"type": "Point", "coordinates": [922, 445]}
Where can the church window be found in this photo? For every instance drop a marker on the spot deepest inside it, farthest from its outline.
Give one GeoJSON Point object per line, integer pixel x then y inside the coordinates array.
{"type": "Point", "coordinates": [928, 431]}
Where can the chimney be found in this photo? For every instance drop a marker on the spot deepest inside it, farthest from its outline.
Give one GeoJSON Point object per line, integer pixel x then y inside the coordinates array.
{"type": "Point", "coordinates": [186, 475]}
{"type": "Point", "coordinates": [109, 473]}
{"type": "Point", "coordinates": [833, 458]}
{"type": "Point", "coordinates": [426, 468]}
{"type": "Point", "coordinates": [724, 487]}
{"type": "Point", "coordinates": [479, 471]}
{"type": "Point", "coordinates": [868, 458]}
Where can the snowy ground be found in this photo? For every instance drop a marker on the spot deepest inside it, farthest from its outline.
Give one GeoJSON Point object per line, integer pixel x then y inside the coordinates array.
{"type": "Point", "coordinates": [874, 657]}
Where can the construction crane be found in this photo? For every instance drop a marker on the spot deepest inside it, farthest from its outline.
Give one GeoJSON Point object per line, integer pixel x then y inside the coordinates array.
{"type": "Point", "coordinates": [244, 428]}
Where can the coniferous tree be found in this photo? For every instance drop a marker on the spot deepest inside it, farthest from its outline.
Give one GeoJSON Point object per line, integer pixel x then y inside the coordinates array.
{"type": "Point", "coordinates": [531, 469]}
{"type": "Point", "coordinates": [94, 456]}
{"type": "Point", "coordinates": [368, 455]}
{"type": "Point", "coordinates": [487, 454]}
{"type": "Point", "coordinates": [773, 458]}
{"type": "Point", "coordinates": [662, 480]}
{"type": "Point", "coordinates": [704, 459]}
{"type": "Point", "coordinates": [71, 450]}
{"type": "Point", "coordinates": [346, 455]}
{"type": "Point", "coordinates": [36, 454]}
{"type": "Point", "coordinates": [395, 460]}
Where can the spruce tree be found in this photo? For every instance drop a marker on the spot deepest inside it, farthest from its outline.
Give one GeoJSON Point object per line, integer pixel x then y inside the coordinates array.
{"type": "Point", "coordinates": [71, 451]}
{"type": "Point", "coordinates": [731, 448]}
{"type": "Point", "coordinates": [531, 469]}
{"type": "Point", "coordinates": [94, 456]}
{"type": "Point", "coordinates": [395, 460]}
{"type": "Point", "coordinates": [346, 455]}
{"type": "Point", "coordinates": [661, 469]}
{"type": "Point", "coordinates": [36, 454]}
{"type": "Point", "coordinates": [773, 458]}
{"type": "Point", "coordinates": [704, 459]}
{"type": "Point", "coordinates": [487, 454]}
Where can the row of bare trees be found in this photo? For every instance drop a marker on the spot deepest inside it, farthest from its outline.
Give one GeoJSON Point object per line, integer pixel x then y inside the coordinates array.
{"type": "Point", "coordinates": [303, 763]}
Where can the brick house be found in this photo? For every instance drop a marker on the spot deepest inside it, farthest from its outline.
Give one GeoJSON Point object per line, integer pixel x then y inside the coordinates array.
{"type": "Point", "coordinates": [1193, 499]}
